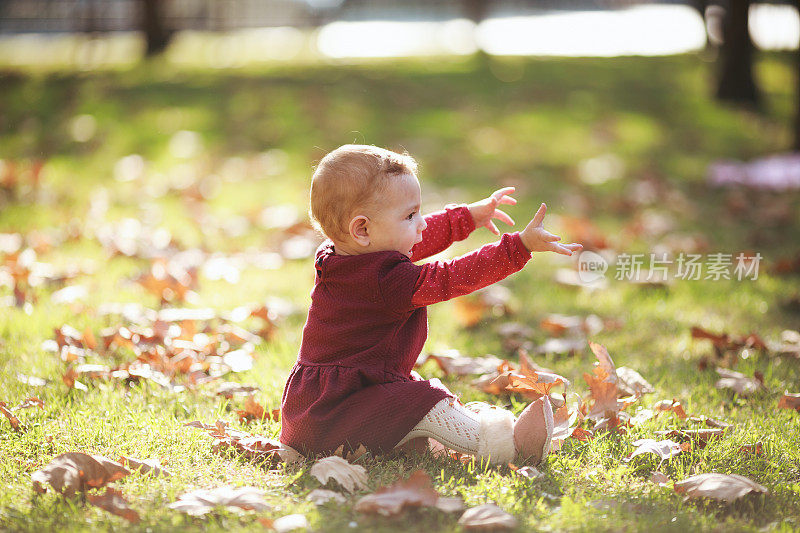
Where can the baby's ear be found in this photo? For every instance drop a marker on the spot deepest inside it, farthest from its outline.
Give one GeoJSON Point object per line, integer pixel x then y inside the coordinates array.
{"type": "Point", "coordinates": [358, 230]}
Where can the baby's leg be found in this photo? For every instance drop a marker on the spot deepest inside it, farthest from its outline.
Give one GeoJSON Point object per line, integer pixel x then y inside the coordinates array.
{"type": "Point", "coordinates": [487, 433]}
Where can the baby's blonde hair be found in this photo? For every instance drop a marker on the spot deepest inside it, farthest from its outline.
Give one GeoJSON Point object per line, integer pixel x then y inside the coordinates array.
{"type": "Point", "coordinates": [349, 178]}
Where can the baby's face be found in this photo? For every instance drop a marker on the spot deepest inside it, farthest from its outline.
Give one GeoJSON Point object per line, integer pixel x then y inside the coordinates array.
{"type": "Point", "coordinates": [396, 223]}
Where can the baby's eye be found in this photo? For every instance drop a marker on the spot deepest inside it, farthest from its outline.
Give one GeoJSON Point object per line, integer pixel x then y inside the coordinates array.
{"type": "Point", "coordinates": [411, 215]}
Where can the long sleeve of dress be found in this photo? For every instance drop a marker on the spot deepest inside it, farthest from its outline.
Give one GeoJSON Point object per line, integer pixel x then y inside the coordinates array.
{"type": "Point", "coordinates": [443, 280]}
{"type": "Point", "coordinates": [453, 223]}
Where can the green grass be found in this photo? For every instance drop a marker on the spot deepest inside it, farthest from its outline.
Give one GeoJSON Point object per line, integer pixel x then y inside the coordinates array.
{"type": "Point", "coordinates": [471, 133]}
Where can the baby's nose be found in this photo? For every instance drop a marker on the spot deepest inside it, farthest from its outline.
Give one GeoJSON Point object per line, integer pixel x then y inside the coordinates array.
{"type": "Point", "coordinates": [423, 226]}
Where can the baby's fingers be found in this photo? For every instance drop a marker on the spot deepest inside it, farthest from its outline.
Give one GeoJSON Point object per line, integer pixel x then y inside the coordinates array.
{"type": "Point", "coordinates": [549, 237]}
{"type": "Point", "coordinates": [539, 216]}
{"type": "Point", "coordinates": [567, 249]}
{"type": "Point", "coordinates": [499, 194]}
{"type": "Point", "coordinates": [493, 228]}
{"type": "Point", "coordinates": [503, 217]}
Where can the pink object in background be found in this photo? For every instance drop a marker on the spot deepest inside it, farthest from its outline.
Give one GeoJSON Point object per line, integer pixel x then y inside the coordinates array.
{"type": "Point", "coordinates": [777, 172]}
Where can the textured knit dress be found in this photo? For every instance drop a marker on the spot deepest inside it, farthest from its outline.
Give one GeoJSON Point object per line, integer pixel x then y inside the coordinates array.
{"type": "Point", "coordinates": [352, 381]}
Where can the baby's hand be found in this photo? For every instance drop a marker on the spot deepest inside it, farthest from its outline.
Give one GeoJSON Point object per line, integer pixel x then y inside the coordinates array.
{"type": "Point", "coordinates": [484, 211]}
{"type": "Point", "coordinates": [537, 239]}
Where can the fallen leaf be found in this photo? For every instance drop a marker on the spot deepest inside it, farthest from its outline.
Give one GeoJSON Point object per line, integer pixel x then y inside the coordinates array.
{"type": "Point", "coordinates": [631, 383]}
{"type": "Point", "coordinates": [350, 456]}
{"type": "Point", "coordinates": [416, 491]}
{"type": "Point", "coordinates": [251, 446]}
{"type": "Point", "coordinates": [323, 496]}
{"type": "Point", "coordinates": [752, 449]}
{"type": "Point", "coordinates": [528, 472]}
{"type": "Point", "coordinates": [72, 472]}
{"type": "Point", "coordinates": [559, 325]}
{"type": "Point", "coordinates": [255, 411]}
{"type": "Point", "coordinates": [659, 479]}
{"type": "Point", "coordinates": [694, 437]}
{"type": "Point", "coordinates": [114, 502]}
{"type": "Point", "coordinates": [11, 417]}
{"type": "Point", "coordinates": [144, 466]}
{"type": "Point", "coordinates": [349, 476]}
{"type": "Point", "coordinates": [229, 389]}
{"type": "Point", "coordinates": [673, 406]}
{"type": "Point", "coordinates": [486, 517]}
{"type": "Point", "coordinates": [469, 310]}
{"type": "Point", "coordinates": [33, 401]}
{"type": "Point", "coordinates": [725, 487]}
{"type": "Point", "coordinates": [604, 391]}
{"type": "Point", "coordinates": [452, 362]}
{"type": "Point", "coordinates": [562, 345]}
{"type": "Point", "coordinates": [789, 401]}
{"type": "Point", "coordinates": [737, 382]}
{"type": "Point", "coordinates": [665, 449]}
{"type": "Point", "coordinates": [237, 499]}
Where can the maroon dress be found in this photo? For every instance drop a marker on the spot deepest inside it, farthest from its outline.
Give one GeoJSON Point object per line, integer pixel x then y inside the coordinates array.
{"type": "Point", "coordinates": [366, 326]}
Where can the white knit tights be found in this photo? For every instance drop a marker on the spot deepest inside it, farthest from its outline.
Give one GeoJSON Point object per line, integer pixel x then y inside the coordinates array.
{"type": "Point", "coordinates": [450, 423]}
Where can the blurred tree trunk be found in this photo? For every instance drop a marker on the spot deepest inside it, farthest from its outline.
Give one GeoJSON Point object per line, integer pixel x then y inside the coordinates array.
{"type": "Point", "coordinates": [152, 22]}
{"type": "Point", "coordinates": [736, 83]}
{"type": "Point", "coordinates": [475, 10]}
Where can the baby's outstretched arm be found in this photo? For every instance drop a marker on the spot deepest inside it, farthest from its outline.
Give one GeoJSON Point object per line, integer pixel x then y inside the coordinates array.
{"type": "Point", "coordinates": [537, 239]}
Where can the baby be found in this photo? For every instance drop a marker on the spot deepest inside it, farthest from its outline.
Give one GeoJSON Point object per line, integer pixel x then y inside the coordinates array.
{"type": "Point", "coordinates": [353, 382]}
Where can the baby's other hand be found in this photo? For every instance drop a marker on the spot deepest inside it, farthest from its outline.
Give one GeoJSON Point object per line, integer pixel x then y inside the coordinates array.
{"type": "Point", "coordinates": [485, 210]}
{"type": "Point", "coordinates": [537, 239]}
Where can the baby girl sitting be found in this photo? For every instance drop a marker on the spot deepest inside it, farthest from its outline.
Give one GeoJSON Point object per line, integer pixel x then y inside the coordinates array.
{"type": "Point", "coordinates": [353, 382]}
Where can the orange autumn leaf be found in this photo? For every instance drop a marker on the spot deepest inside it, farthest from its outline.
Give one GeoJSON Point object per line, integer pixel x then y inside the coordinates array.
{"type": "Point", "coordinates": [789, 401]}
{"type": "Point", "coordinates": [602, 384]}
{"type": "Point", "coordinates": [255, 411]}
{"type": "Point", "coordinates": [11, 417]}
{"type": "Point", "coordinates": [673, 406]}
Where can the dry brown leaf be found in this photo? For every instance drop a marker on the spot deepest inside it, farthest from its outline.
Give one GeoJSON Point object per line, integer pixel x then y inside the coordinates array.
{"type": "Point", "coordinates": [144, 466]}
{"type": "Point", "coordinates": [350, 456]}
{"type": "Point", "coordinates": [229, 389]}
{"type": "Point", "coordinates": [114, 502]}
{"type": "Point", "coordinates": [694, 437]}
{"type": "Point", "coordinates": [789, 401]}
{"type": "Point", "coordinates": [673, 406]}
{"type": "Point", "coordinates": [255, 411]}
{"type": "Point", "coordinates": [251, 446]}
{"type": "Point", "coordinates": [486, 517]}
{"type": "Point", "coordinates": [602, 384]}
{"type": "Point", "coordinates": [659, 479]}
{"type": "Point", "coordinates": [631, 383]}
{"type": "Point", "coordinates": [237, 499]}
{"type": "Point", "coordinates": [11, 417]}
{"type": "Point", "coordinates": [725, 487]}
{"type": "Point", "coordinates": [452, 362]}
{"type": "Point", "coordinates": [350, 477]}
{"type": "Point", "coordinates": [73, 472]}
{"type": "Point", "coordinates": [470, 309]}
{"type": "Point", "coordinates": [724, 342]}
{"type": "Point", "coordinates": [738, 382]}
{"type": "Point", "coordinates": [664, 449]}
{"type": "Point", "coordinates": [752, 449]}
{"type": "Point", "coordinates": [416, 491]}
{"type": "Point", "coordinates": [528, 472]}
